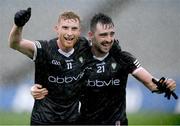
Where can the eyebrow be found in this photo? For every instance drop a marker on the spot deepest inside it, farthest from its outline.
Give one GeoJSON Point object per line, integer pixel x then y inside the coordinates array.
{"type": "Point", "coordinates": [74, 27]}
{"type": "Point", "coordinates": [105, 33]}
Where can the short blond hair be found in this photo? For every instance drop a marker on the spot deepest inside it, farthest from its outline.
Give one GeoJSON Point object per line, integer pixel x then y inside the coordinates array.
{"type": "Point", "coordinates": [69, 15]}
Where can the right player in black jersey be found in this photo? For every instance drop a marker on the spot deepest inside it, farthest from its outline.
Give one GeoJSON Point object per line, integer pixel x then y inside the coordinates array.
{"type": "Point", "coordinates": [104, 99]}
{"type": "Point", "coordinates": [56, 68]}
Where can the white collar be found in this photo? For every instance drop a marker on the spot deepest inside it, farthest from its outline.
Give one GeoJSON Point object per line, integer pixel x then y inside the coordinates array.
{"type": "Point", "coordinates": [66, 54]}
{"type": "Point", "coordinates": [101, 58]}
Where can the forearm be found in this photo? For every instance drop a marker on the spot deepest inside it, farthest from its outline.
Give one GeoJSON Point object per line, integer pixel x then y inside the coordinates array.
{"type": "Point", "coordinates": [145, 77]}
{"type": "Point", "coordinates": [162, 85]}
{"type": "Point", "coordinates": [15, 37]}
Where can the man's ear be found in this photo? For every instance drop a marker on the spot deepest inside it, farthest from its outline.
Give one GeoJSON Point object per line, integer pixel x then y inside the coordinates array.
{"type": "Point", "coordinates": [90, 35]}
{"type": "Point", "coordinates": [55, 28]}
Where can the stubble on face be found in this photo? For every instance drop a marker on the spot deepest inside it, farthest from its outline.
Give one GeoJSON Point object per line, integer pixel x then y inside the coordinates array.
{"type": "Point", "coordinates": [68, 33]}
{"type": "Point", "coordinates": [103, 38]}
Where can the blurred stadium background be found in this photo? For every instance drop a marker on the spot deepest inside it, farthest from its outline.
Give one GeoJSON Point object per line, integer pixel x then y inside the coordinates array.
{"type": "Point", "coordinates": [149, 29]}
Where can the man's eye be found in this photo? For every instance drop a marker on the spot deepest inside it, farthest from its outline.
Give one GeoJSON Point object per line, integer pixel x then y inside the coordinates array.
{"type": "Point", "coordinates": [112, 33]}
{"type": "Point", "coordinates": [64, 27]}
{"type": "Point", "coordinates": [103, 35]}
{"type": "Point", "coordinates": [74, 28]}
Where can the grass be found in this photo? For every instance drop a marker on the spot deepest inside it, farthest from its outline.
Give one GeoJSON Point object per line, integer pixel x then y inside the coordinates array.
{"type": "Point", "coordinates": [141, 118]}
{"type": "Point", "coordinates": [10, 118]}
{"type": "Point", "coordinates": [153, 118]}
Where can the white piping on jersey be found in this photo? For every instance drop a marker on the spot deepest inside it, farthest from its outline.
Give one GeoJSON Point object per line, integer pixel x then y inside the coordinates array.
{"type": "Point", "coordinates": [101, 58]}
{"type": "Point", "coordinates": [66, 54]}
{"type": "Point", "coordinates": [79, 107]}
{"type": "Point", "coordinates": [136, 70]}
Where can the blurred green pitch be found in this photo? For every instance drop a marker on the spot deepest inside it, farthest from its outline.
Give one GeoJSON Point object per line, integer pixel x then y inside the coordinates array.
{"type": "Point", "coordinates": [141, 118]}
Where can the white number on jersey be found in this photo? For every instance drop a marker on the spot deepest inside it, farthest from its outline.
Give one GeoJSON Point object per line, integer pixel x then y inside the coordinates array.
{"type": "Point", "coordinates": [100, 69]}
{"type": "Point", "coordinates": [69, 65]}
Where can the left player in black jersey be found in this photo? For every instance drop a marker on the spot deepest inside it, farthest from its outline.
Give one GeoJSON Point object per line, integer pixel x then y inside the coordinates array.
{"type": "Point", "coordinates": [56, 68]}
{"type": "Point", "coordinates": [104, 99]}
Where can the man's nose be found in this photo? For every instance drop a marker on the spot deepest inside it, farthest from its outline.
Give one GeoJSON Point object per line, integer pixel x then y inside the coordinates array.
{"type": "Point", "coordinates": [69, 32]}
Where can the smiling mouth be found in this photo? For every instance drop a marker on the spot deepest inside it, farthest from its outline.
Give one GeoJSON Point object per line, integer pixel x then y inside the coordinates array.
{"type": "Point", "coordinates": [106, 44]}
{"type": "Point", "coordinates": [69, 38]}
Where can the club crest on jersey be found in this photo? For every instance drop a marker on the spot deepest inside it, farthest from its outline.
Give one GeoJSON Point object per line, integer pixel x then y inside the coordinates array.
{"type": "Point", "coordinates": [81, 59]}
{"type": "Point", "coordinates": [113, 65]}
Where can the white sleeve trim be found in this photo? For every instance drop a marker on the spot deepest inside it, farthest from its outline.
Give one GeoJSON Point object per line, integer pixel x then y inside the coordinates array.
{"type": "Point", "coordinates": [35, 51]}
{"type": "Point", "coordinates": [137, 63]}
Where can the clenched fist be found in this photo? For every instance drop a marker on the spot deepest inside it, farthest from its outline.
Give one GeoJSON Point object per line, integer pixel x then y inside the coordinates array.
{"type": "Point", "coordinates": [22, 17]}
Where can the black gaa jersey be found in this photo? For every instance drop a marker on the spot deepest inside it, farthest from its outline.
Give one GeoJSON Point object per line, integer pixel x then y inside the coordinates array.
{"type": "Point", "coordinates": [104, 100]}
{"type": "Point", "coordinates": [61, 75]}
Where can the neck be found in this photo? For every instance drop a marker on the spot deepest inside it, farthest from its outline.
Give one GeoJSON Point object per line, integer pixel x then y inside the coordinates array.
{"type": "Point", "coordinates": [62, 47]}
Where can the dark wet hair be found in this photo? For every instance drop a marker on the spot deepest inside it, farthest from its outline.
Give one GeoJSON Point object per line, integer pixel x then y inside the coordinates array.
{"type": "Point", "coordinates": [101, 18]}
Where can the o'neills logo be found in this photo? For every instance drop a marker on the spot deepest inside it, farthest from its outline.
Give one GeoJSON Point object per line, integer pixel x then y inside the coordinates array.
{"type": "Point", "coordinates": [66, 79]}
{"type": "Point", "coordinates": [99, 83]}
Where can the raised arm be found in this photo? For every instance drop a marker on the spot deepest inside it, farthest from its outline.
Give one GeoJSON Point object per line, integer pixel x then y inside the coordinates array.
{"type": "Point", "coordinates": [15, 37]}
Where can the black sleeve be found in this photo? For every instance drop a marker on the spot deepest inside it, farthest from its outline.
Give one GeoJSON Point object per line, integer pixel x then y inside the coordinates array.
{"type": "Point", "coordinates": [40, 61]}
{"type": "Point", "coordinates": [40, 52]}
{"type": "Point", "coordinates": [82, 44]}
{"type": "Point", "coordinates": [129, 60]}
{"type": "Point", "coordinates": [116, 49]}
